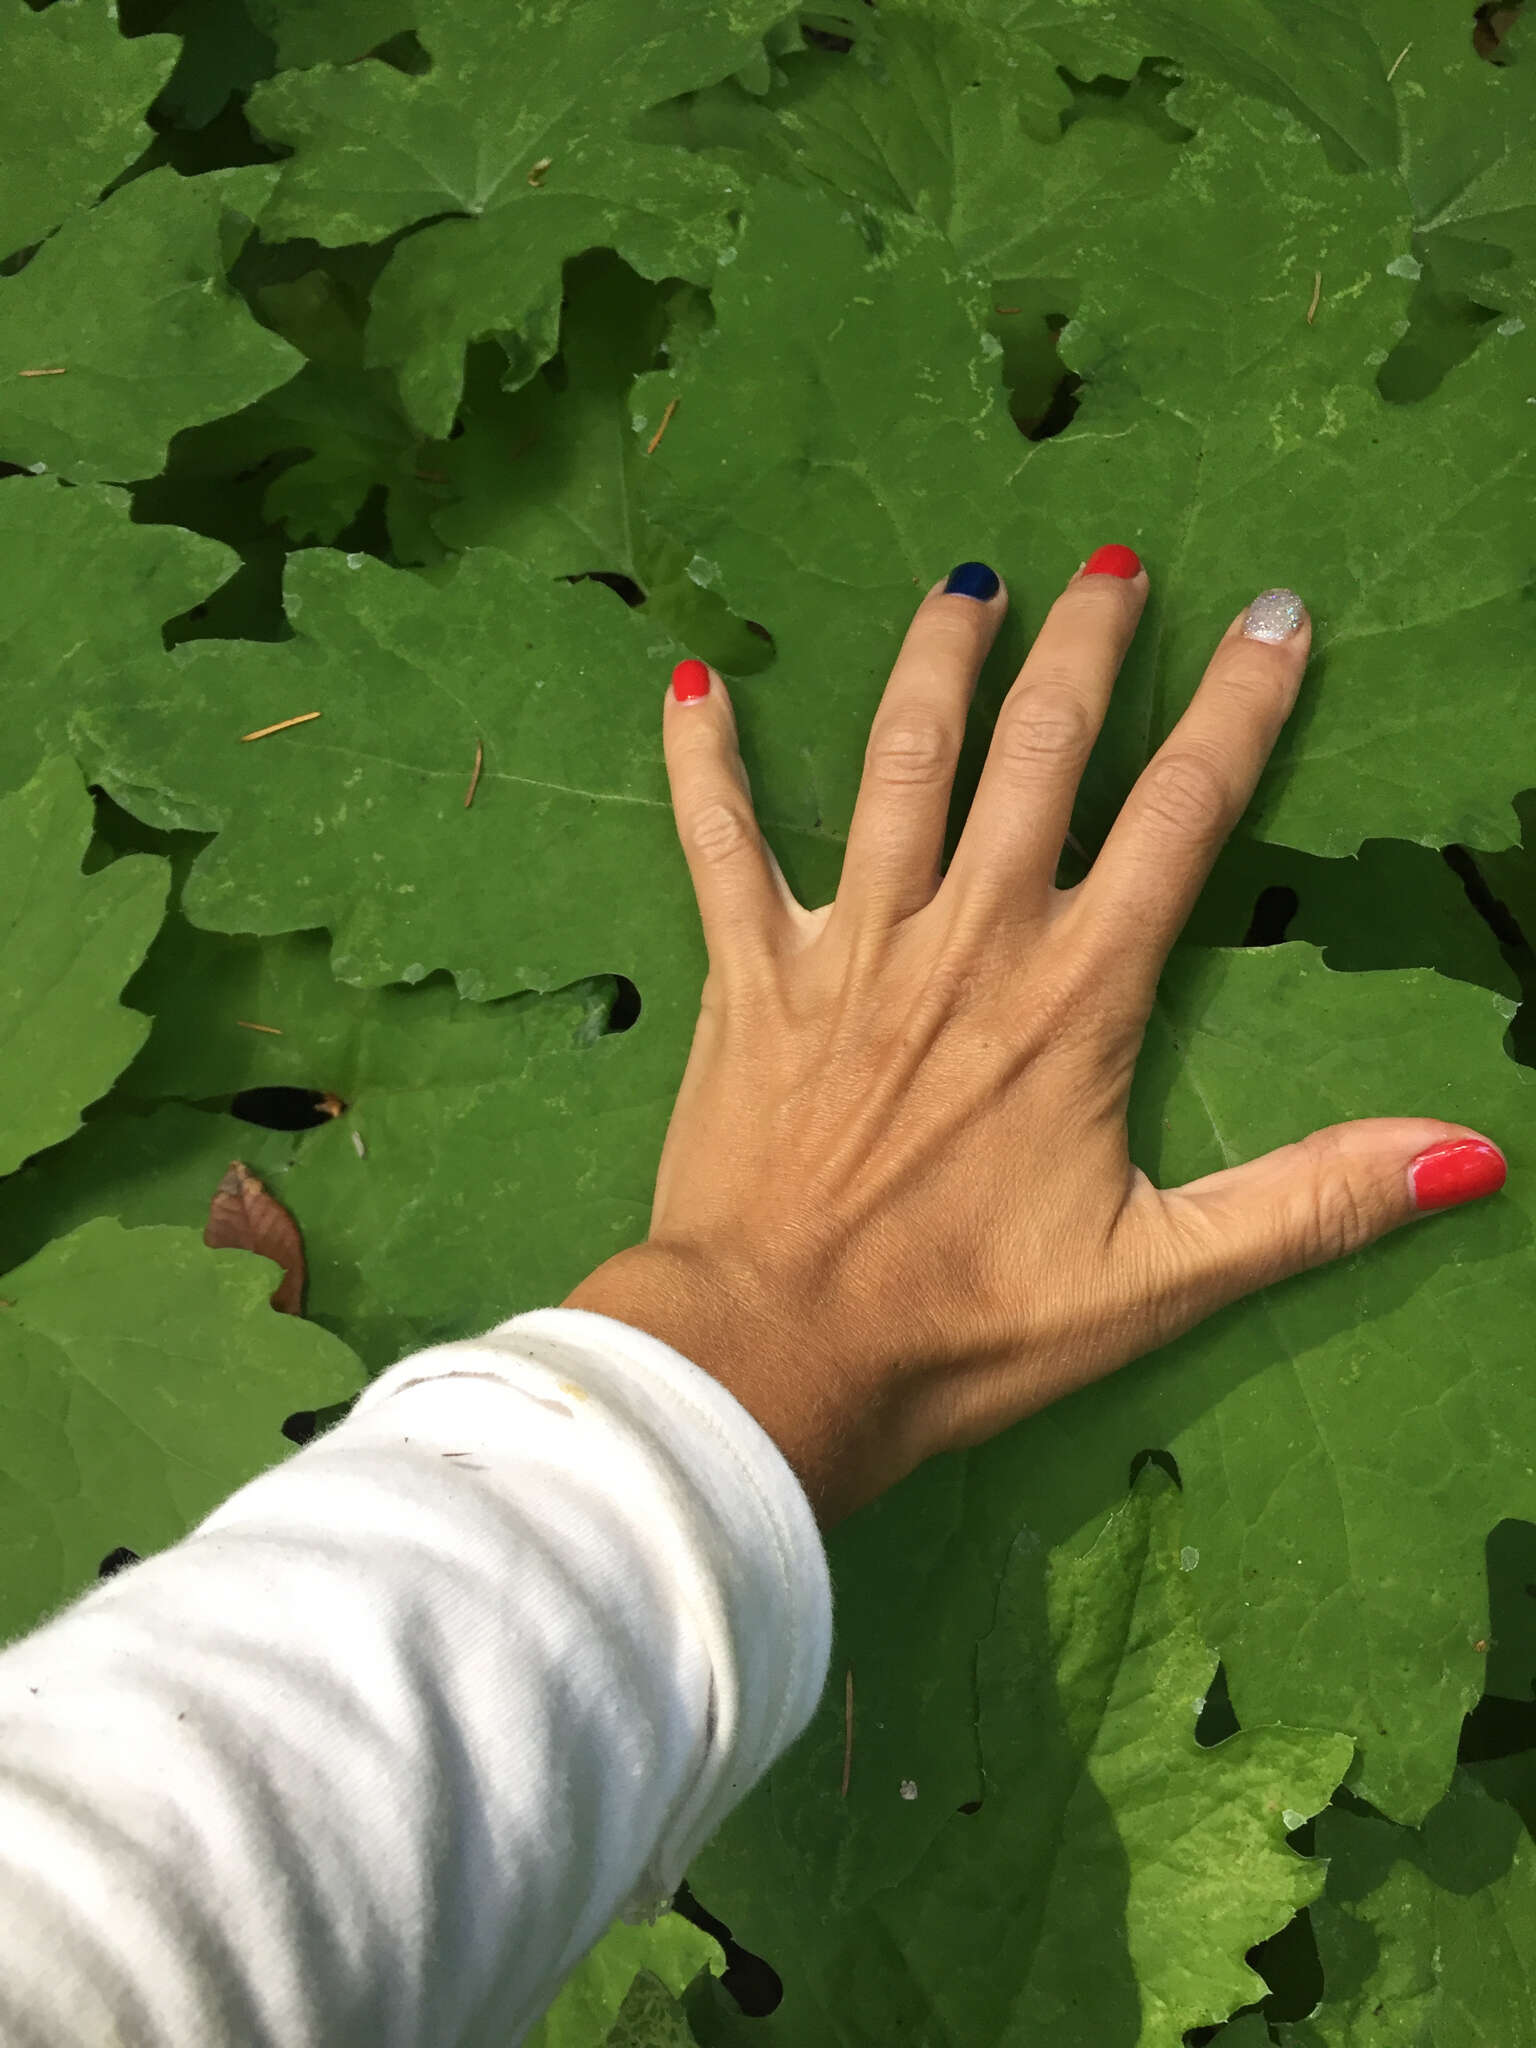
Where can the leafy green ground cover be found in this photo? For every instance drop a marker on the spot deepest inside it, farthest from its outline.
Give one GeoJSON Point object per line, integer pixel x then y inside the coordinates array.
{"type": "Point", "coordinates": [450, 369]}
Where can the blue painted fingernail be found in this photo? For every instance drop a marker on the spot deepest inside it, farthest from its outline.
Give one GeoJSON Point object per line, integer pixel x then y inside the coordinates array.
{"type": "Point", "coordinates": [973, 579]}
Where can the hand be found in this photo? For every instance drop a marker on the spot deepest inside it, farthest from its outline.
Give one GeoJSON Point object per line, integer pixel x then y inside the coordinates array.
{"type": "Point", "coordinates": [896, 1210]}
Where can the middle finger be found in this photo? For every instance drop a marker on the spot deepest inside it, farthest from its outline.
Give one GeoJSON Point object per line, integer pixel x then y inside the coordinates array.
{"type": "Point", "coordinates": [1007, 854]}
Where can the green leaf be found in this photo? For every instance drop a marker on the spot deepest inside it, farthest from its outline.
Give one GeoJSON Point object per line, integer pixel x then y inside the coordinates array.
{"type": "Point", "coordinates": [561, 688]}
{"type": "Point", "coordinates": [58, 651]}
{"type": "Point", "coordinates": [343, 420]}
{"type": "Point", "coordinates": [75, 99]}
{"type": "Point", "coordinates": [550, 473]}
{"type": "Point", "coordinates": [166, 345]}
{"type": "Point", "coordinates": [612, 1994]}
{"type": "Point", "coordinates": [1512, 1779]}
{"type": "Point", "coordinates": [70, 942]}
{"type": "Point", "coordinates": [1302, 1422]}
{"type": "Point", "coordinates": [1102, 1821]}
{"type": "Point", "coordinates": [222, 52]}
{"type": "Point", "coordinates": [886, 452]}
{"type": "Point", "coordinates": [650, 2017]}
{"type": "Point", "coordinates": [517, 130]}
{"type": "Point", "coordinates": [146, 1378]}
{"type": "Point", "coordinates": [1425, 1934]}
{"type": "Point", "coordinates": [331, 31]}
{"type": "Point", "coordinates": [456, 1114]}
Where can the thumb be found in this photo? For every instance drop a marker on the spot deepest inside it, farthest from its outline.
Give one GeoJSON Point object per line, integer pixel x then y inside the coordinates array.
{"type": "Point", "coordinates": [1329, 1194]}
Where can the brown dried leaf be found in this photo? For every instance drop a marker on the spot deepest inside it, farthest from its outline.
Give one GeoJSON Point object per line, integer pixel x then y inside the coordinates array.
{"type": "Point", "coordinates": [245, 1216]}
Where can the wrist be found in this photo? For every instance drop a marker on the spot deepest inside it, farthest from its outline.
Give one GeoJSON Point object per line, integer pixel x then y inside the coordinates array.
{"type": "Point", "coordinates": [744, 1333]}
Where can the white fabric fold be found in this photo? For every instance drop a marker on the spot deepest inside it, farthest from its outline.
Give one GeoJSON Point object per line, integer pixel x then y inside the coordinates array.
{"type": "Point", "coordinates": [377, 1751]}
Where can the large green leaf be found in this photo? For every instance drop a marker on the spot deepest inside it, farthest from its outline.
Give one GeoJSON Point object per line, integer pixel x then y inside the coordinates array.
{"type": "Point", "coordinates": [480, 1164]}
{"type": "Point", "coordinates": [560, 687]}
{"type": "Point", "coordinates": [331, 31]}
{"type": "Point", "coordinates": [596, 2003]}
{"type": "Point", "coordinates": [145, 1378]}
{"type": "Point", "coordinates": [1302, 1422]}
{"type": "Point", "coordinates": [95, 378]}
{"type": "Point", "coordinates": [550, 473]}
{"type": "Point", "coordinates": [87, 594]}
{"type": "Point", "coordinates": [887, 452]}
{"type": "Point", "coordinates": [516, 135]}
{"type": "Point", "coordinates": [1116, 1873]}
{"type": "Point", "coordinates": [223, 52]}
{"type": "Point", "coordinates": [68, 943]}
{"type": "Point", "coordinates": [1425, 1934]}
{"type": "Point", "coordinates": [76, 95]}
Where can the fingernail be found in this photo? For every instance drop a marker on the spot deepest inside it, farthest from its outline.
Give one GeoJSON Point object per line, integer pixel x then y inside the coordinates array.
{"type": "Point", "coordinates": [1113, 561]}
{"type": "Point", "coordinates": [972, 579]}
{"type": "Point", "coordinates": [1274, 615]}
{"type": "Point", "coordinates": [690, 682]}
{"type": "Point", "coordinates": [1460, 1170]}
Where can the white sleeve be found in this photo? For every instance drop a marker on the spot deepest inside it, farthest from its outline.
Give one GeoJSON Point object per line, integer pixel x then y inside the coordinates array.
{"type": "Point", "coordinates": [375, 1753]}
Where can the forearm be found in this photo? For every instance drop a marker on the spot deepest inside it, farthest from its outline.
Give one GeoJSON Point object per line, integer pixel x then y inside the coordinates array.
{"type": "Point", "coordinates": [378, 1751]}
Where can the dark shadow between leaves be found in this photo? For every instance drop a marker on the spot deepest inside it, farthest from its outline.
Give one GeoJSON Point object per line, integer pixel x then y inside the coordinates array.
{"type": "Point", "coordinates": [286, 1109]}
{"type": "Point", "coordinates": [752, 1982]}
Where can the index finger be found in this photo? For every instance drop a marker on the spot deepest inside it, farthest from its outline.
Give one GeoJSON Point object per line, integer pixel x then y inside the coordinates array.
{"type": "Point", "coordinates": [1143, 885]}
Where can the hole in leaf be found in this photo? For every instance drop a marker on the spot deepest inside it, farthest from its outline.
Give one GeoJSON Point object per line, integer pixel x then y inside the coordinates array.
{"type": "Point", "coordinates": [1163, 1460]}
{"type": "Point", "coordinates": [826, 39]}
{"type": "Point", "coordinates": [115, 1560]}
{"type": "Point", "coordinates": [405, 52]}
{"type": "Point", "coordinates": [626, 1004]}
{"type": "Point", "coordinates": [1217, 1720]}
{"type": "Point", "coordinates": [1494, 912]}
{"type": "Point", "coordinates": [286, 1109]}
{"type": "Point", "coordinates": [1511, 1652]}
{"type": "Point", "coordinates": [1445, 326]}
{"type": "Point", "coordinates": [621, 585]}
{"type": "Point", "coordinates": [1060, 411]}
{"type": "Point", "coordinates": [762, 632]}
{"type": "Point", "coordinates": [1143, 99]}
{"type": "Point", "coordinates": [1491, 24]}
{"type": "Point", "coordinates": [1272, 915]}
{"type": "Point", "coordinates": [300, 1426]}
{"type": "Point", "coordinates": [970, 1806]}
{"type": "Point", "coordinates": [754, 1984]}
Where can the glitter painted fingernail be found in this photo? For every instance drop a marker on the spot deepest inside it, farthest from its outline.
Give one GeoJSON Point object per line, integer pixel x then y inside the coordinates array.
{"type": "Point", "coordinates": [1274, 616]}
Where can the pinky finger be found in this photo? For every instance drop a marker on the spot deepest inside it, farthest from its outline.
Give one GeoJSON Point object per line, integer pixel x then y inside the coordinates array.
{"type": "Point", "coordinates": [742, 895]}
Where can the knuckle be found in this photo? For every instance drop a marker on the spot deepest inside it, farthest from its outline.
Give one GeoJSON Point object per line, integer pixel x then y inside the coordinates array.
{"type": "Point", "coordinates": [911, 749]}
{"type": "Point", "coordinates": [1186, 793]}
{"type": "Point", "coordinates": [1339, 1208]}
{"type": "Point", "coordinates": [1049, 725]}
{"type": "Point", "coordinates": [717, 832]}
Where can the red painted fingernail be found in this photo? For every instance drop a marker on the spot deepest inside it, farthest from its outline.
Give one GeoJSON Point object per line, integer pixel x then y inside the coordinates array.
{"type": "Point", "coordinates": [1113, 561]}
{"type": "Point", "coordinates": [1460, 1170]}
{"type": "Point", "coordinates": [690, 682]}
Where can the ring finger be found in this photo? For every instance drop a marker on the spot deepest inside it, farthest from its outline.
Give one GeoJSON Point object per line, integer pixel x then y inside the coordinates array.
{"type": "Point", "coordinates": [1143, 884]}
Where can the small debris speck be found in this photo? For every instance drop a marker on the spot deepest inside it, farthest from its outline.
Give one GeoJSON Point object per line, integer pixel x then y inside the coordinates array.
{"type": "Point", "coordinates": [1292, 1819]}
{"type": "Point", "coordinates": [358, 1146]}
{"type": "Point", "coordinates": [909, 1788]}
{"type": "Point", "coordinates": [1189, 1557]}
